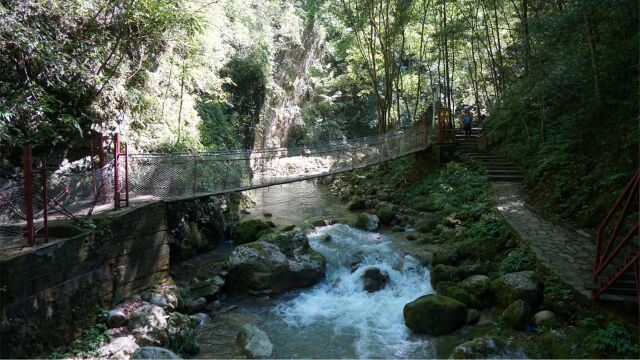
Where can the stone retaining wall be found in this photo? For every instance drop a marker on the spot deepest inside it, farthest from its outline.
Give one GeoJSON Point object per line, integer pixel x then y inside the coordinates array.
{"type": "Point", "coordinates": [49, 292]}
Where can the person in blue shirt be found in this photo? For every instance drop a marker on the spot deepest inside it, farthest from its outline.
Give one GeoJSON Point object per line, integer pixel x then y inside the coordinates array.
{"type": "Point", "coordinates": [468, 121]}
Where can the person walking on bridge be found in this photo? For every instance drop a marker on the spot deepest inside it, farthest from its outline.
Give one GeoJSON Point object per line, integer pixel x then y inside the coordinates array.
{"type": "Point", "coordinates": [468, 121]}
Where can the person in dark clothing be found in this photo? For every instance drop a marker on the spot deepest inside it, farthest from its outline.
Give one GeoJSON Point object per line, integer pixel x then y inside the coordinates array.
{"type": "Point", "coordinates": [468, 121]}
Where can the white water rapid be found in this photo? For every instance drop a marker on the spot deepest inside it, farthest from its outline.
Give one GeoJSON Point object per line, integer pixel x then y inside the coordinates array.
{"type": "Point", "coordinates": [337, 318]}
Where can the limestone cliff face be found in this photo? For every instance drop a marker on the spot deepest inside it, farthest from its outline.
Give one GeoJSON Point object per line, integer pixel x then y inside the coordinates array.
{"type": "Point", "coordinates": [288, 89]}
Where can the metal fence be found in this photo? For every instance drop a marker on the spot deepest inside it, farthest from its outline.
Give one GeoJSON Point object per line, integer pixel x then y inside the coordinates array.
{"type": "Point", "coordinates": [75, 194]}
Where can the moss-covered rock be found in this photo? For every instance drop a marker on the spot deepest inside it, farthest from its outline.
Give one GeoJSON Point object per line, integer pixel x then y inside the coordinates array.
{"type": "Point", "coordinates": [386, 213]}
{"type": "Point", "coordinates": [517, 315]}
{"type": "Point", "coordinates": [545, 318]}
{"type": "Point", "coordinates": [356, 203]}
{"type": "Point", "coordinates": [523, 285]}
{"type": "Point", "coordinates": [247, 231]}
{"type": "Point", "coordinates": [434, 315]}
{"type": "Point", "coordinates": [426, 225]}
{"type": "Point", "coordinates": [366, 222]}
{"type": "Point", "coordinates": [473, 316]}
{"type": "Point", "coordinates": [443, 272]}
{"type": "Point", "coordinates": [274, 264]}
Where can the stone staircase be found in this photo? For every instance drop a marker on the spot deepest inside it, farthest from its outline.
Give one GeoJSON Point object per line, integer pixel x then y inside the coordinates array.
{"type": "Point", "coordinates": [498, 168]}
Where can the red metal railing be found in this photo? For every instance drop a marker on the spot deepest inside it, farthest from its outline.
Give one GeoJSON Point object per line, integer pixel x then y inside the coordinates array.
{"type": "Point", "coordinates": [609, 247]}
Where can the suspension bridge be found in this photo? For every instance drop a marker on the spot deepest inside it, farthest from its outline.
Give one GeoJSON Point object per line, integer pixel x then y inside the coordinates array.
{"type": "Point", "coordinates": [27, 206]}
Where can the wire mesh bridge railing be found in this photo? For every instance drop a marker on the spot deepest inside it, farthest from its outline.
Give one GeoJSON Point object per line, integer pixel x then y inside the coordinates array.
{"type": "Point", "coordinates": [155, 176]}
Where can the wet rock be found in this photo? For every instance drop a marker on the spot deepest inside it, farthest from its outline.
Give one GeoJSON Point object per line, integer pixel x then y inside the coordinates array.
{"type": "Point", "coordinates": [267, 214]}
{"type": "Point", "coordinates": [247, 231]}
{"type": "Point", "coordinates": [487, 347]}
{"type": "Point", "coordinates": [356, 203]}
{"type": "Point", "coordinates": [374, 279]}
{"type": "Point", "coordinates": [153, 352]}
{"type": "Point", "coordinates": [545, 318]}
{"type": "Point", "coordinates": [517, 315]}
{"type": "Point", "coordinates": [116, 318]}
{"type": "Point", "coordinates": [325, 238]}
{"type": "Point", "coordinates": [255, 343]}
{"type": "Point", "coordinates": [120, 348]}
{"type": "Point", "coordinates": [412, 237]}
{"type": "Point", "coordinates": [523, 285]}
{"type": "Point", "coordinates": [208, 289]}
{"type": "Point", "coordinates": [245, 212]}
{"type": "Point", "coordinates": [271, 224]}
{"type": "Point", "coordinates": [319, 223]}
{"type": "Point", "coordinates": [274, 264]}
{"type": "Point", "coordinates": [473, 316]}
{"type": "Point", "coordinates": [148, 324]}
{"type": "Point", "coordinates": [195, 306]}
{"type": "Point", "coordinates": [434, 315]}
{"type": "Point", "coordinates": [397, 228]}
{"type": "Point", "coordinates": [288, 228]}
{"type": "Point", "coordinates": [386, 212]}
{"type": "Point", "coordinates": [365, 221]}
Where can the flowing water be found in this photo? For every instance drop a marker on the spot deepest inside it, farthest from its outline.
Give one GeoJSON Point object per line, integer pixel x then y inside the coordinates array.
{"type": "Point", "coordinates": [336, 318]}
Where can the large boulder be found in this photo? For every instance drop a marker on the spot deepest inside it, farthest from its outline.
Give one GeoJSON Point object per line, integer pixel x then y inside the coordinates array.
{"type": "Point", "coordinates": [255, 343]}
{"type": "Point", "coordinates": [517, 315]}
{"type": "Point", "coordinates": [366, 222]}
{"type": "Point", "coordinates": [248, 231]}
{"type": "Point", "coordinates": [522, 285]}
{"type": "Point", "coordinates": [473, 291]}
{"type": "Point", "coordinates": [374, 279]}
{"type": "Point", "coordinates": [276, 263]}
{"type": "Point", "coordinates": [120, 348]}
{"type": "Point", "coordinates": [153, 352]}
{"type": "Point", "coordinates": [148, 324]}
{"type": "Point", "coordinates": [434, 315]}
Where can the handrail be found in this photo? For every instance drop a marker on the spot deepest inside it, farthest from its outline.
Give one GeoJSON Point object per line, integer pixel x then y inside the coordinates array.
{"type": "Point", "coordinates": [623, 204]}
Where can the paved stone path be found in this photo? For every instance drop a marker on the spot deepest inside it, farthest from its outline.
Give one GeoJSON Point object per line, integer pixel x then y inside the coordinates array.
{"type": "Point", "coordinates": [568, 253]}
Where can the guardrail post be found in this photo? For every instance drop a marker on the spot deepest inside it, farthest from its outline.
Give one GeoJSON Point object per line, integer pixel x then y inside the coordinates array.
{"type": "Point", "coordinates": [116, 171]}
{"type": "Point", "coordinates": [45, 200]}
{"type": "Point", "coordinates": [126, 174]}
{"type": "Point", "coordinates": [28, 193]}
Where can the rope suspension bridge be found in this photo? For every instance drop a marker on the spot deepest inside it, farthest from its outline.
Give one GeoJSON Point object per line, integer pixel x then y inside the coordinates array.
{"type": "Point", "coordinates": [105, 183]}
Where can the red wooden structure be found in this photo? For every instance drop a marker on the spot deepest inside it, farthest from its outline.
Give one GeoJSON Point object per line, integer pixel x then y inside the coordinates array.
{"type": "Point", "coordinates": [610, 243]}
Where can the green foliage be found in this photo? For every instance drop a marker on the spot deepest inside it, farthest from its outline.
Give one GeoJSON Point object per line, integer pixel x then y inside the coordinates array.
{"type": "Point", "coordinates": [571, 124]}
{"type": "Point", "coordinates": [90, 340]}
{"type": "Point", "coordinates": [67, 64]}
{"type": "Point", "coordinates": [519, 259]}
{"type": "Point", "coordinates": [608, 338]}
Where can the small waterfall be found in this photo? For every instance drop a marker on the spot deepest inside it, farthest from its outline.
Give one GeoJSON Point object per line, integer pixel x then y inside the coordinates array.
{"type": "Point", "coordinates": [337, 318]}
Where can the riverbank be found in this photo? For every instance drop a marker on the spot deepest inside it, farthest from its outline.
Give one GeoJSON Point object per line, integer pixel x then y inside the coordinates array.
{"type": "Point", "coordinates": [440, 236]}
{"type": "Point", "coordinates": [468, 241]}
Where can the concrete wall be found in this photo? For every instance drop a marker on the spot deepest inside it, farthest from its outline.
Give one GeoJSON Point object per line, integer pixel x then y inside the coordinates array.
{"type": "Point", "coordinates": [50, 292]}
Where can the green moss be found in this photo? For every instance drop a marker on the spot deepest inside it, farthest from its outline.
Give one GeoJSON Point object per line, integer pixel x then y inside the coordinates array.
{"type": "Point", "coordinates": [247, 231]}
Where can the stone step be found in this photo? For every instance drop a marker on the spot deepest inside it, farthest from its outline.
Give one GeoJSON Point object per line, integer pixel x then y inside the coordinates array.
{"type": "Point", "coordinates": [503, 171]}
{"type": "Point", "coordinates": [505, 177]}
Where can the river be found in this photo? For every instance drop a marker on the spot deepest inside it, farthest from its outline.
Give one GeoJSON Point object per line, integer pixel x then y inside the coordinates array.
{"type": "Point", "coordinates": [336, 318]}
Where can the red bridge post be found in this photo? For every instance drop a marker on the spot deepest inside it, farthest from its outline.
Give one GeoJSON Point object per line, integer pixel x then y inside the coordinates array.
{"type": "Point", "coordinates": [116, 171]}
{"type": "Point", "coordinates": [28, 193]}
{"type": "Point", "coordinates": [45, 200]}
